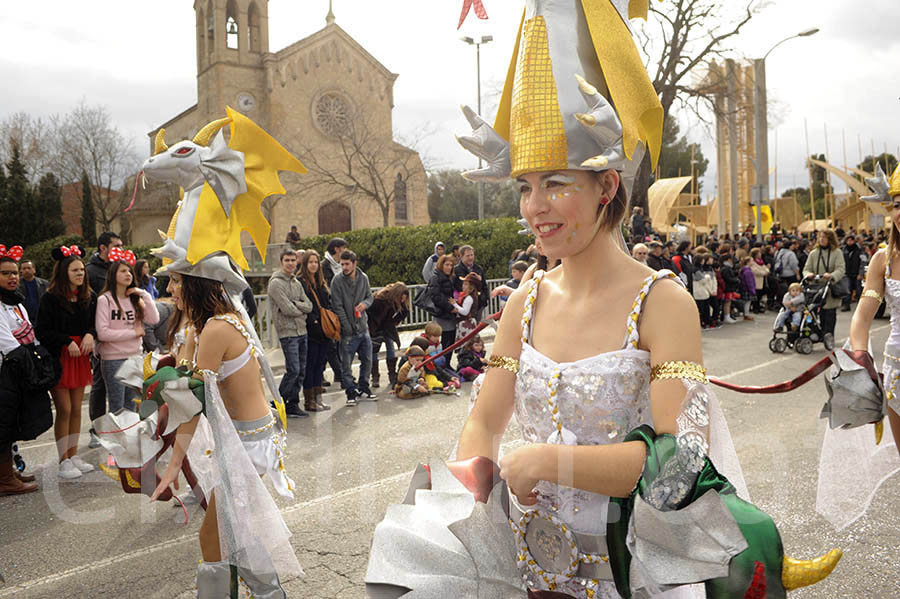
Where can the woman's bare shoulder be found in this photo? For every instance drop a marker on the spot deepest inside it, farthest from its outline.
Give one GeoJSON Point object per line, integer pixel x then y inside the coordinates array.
{"type": "Point", "coordinates": [670, 319]}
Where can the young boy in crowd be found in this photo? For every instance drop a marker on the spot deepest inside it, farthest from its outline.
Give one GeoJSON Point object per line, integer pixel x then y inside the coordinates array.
{"type": "Point", "coordinates": [517, 269]}
{"type": "Point", "coordinates": [445, 374]}
{"type": "Point", "coordinates": [410, 382]}
{"type": "Point", "coordinates": [793, 302]}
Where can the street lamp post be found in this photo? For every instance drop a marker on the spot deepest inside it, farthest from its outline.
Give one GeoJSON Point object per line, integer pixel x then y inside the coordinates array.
{"type": "Point", "coordinates": [484, 39]}
{"type": "Point", "coordinates": [761, 126]}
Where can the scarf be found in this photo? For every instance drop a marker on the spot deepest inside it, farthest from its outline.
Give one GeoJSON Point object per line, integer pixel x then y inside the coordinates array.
{"type": "Point", "coordinates": [11, 298]}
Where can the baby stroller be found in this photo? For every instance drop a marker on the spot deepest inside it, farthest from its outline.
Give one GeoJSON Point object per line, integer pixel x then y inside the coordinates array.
{"type": "Point", "coordinates": [810, 332]}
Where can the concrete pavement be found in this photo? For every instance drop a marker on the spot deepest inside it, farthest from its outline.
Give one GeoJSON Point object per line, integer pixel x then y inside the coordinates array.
{"type": "Point", "coordinates": [88, 539]}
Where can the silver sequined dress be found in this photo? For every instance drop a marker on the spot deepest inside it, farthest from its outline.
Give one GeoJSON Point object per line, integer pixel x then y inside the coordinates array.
{"type": "Point", "coordinates": [600, 399]}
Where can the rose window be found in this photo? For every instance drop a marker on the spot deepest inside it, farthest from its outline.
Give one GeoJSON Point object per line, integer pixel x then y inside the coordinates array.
{"type": "Point", "coordinates": [332, 115]}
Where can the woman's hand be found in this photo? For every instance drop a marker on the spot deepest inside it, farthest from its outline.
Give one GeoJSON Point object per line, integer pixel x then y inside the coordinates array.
{"type": "Point", "coordinates": [502, 290]}
{"type": "Point", "coordinates": [169, 477]}
{"type": "Point", "coordinates": [132, 291]}
{"type": "Point", "coordinates": [139, 329]}
{"type": "Point", "coordinates": [87, 344]}
{"type": "Point", "coordinates": [517, 468]}
{"type": "Point", "coordinates": [74, 350]}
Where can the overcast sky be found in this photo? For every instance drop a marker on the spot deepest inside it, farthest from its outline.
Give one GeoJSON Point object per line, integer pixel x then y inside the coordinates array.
{"type": "Point", "coordinates": [138, 59]}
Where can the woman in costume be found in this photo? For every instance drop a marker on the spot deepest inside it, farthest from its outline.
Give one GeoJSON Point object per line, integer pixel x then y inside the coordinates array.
{"type": "Point", "coordinates": [225, 428]}
{"type": "Point", "coordinates": [612, 493]}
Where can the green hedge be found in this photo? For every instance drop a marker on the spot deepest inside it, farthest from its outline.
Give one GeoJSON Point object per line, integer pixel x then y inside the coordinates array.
{"type": "Point", "coordinates": [398, 253]}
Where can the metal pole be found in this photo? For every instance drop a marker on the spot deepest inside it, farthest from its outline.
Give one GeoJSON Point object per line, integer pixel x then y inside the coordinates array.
{"type": "Point", "coordinates": [732, 144]}
{"type": "Point", "coordinates": [480, 183]}
{"type": "Point", "coordinates": [760, 127]}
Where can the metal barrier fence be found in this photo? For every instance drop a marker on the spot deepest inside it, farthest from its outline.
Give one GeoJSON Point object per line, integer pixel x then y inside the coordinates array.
{"type": "Point", "coordinates": [418, 318]}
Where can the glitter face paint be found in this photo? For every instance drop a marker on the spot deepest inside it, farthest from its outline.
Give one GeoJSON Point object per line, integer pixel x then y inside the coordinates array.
{"type": "Point", "coordinates": [572, 235]}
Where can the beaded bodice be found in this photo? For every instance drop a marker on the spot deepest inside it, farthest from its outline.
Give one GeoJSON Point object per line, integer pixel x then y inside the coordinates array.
{"type": "Point", "coordinates": [892, 297]}
{"type": "Point", "coordinates": [598, 401]}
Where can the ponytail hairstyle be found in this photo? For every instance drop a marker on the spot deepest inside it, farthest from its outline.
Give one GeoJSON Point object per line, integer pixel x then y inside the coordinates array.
{"type": "Point", "coordinates": [111, 286]}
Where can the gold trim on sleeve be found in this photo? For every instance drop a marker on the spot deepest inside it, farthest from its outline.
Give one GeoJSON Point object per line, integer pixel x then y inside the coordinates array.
{"type": "Point", "coordinates": [678, 369]}
{"type": "Point", "coordinates": [504, 362]}
{"type": "Point", "coordinates": [873, 294]}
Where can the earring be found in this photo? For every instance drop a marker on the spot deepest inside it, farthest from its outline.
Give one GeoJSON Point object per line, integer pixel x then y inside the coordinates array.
{"type": "Point", "coordinates": [604, 201]}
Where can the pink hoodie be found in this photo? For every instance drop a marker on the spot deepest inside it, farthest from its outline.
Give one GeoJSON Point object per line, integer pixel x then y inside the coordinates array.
{"type": "Point", "coordinates": [116, 327]}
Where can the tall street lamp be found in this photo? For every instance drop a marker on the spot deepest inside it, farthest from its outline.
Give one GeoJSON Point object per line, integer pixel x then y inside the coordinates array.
{"type": "Point", "coordinates": [484, 39]}
{"type": "Point", "coordinates": [761, 125]}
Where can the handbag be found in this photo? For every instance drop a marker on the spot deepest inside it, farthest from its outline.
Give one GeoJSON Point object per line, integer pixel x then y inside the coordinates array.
{"type": "Point", "coordinates": [840, 288]}
{"type": "Point", "coordinates": [37, 368]}
{"type": "Point", "coordinates": [425, 301]}
{"type": "Point", "coordinates": [331, 324]}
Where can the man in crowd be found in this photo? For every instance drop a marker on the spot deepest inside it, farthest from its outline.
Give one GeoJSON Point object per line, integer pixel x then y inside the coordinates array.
{"type": "Point", "coordinates": [331, 265]}
{"type": "Point", "coordinates": [31, 287]}
{"type": "Point", "coordinates": [654, 258]}
{"type": "Point", "coordinates": [428, 269]}
{"type": "Point", "coordinates": [786, 265]}
{"type": "Point", "coordinates": [293, 237]}
{"type": "Point", "coordinates": [852, 269]}
{"type": "Point", "coordinates": [637, 225]}
{"type": "Point", "coordinates": [351, 296]}
{"type": "Point", "coordinates": [464, 267]}
{"type": "Point", "coordinates": [289, 317]}
{"type": "Point", "coordinates": [96, 271]}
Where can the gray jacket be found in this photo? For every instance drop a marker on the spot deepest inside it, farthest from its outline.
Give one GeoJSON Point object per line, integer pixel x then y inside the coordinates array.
{"type": "Point", "coordinates": [289, 305]}
{"type": "Point", "coordinates": [346, 293]}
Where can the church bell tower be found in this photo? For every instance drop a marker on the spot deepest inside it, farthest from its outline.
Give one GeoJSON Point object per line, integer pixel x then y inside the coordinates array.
{"type": "Point", "coordinates": [232, 43]}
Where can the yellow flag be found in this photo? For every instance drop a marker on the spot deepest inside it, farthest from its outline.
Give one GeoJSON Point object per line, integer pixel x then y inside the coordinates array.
{"type": "Point", "coordinates": [765, 220]}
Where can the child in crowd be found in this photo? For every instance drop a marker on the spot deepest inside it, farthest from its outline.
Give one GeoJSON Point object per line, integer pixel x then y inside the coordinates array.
{"type": "Point", "coordinates": [704, 286]}
{"type": "Point", "coordinates": [471, 358]}
{"type": "Point", "coordinates": [443, 371]}
{"type": "Point", "coordinates": [410, 382]}
{"type": "Point", "coordinates": [748, 285]}
{"type": "Point", "coordinates": [466, 306]}
{"type": "Point", "coordinates": [517, 269]}
{"type": "Point", "coordinates": [429, 375]}
{"type": "Point", "coordinates": [793, 303]}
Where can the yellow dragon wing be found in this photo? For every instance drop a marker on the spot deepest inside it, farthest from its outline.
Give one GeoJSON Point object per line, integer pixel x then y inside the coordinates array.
{"type": "Point", "coordinates": [263, 158]}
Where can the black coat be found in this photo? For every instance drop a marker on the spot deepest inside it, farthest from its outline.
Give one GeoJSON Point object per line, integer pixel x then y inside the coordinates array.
{"type": "Point", "coordinates": [851, 260]}
{"type": "Point", "coordinates": [441, 289]}
{"type": "Point", "coordinates": [96, 271]}
{"type": "Point", "coordinates": [58, 320]}
{"type": "Point", "coordinates": [24, 413]}
{"type": "Point", "coordinates": [314, 319]}
{"type": "Point", "coordinates": [383, 321]}
{"type": "Point", "coordinates": [732, 282]}
{"type": "Point", "coordinates": [467, 357]}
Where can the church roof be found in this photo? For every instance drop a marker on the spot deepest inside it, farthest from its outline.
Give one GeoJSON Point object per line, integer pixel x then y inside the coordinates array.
{"type": "Point", "coordinates": [333, 29]}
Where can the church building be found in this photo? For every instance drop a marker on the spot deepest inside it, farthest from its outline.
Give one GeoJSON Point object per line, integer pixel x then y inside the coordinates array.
{"type": "Point", "coordinates": [323, 97]}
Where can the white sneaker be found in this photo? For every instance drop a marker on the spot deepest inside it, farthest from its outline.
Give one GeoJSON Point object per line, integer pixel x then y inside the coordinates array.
{"type": "Point", "coordinates": [81, 464]}
{"type": "Point", "coordinates": [729, 320]}
{"type": "Point", "coordinates": [68, 470]}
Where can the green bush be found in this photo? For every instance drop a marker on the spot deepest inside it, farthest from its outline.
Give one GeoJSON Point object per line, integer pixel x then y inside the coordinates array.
{"type": "Point", "coordinates": [398, 253]}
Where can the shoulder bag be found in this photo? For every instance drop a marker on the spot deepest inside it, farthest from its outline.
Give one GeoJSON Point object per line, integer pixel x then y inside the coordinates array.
{"type": "Point", "coordinates": [331, 324]}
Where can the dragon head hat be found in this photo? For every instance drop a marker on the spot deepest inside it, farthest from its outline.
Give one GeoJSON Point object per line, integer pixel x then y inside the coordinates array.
{"type": "Point", "coordinates": [224, 185]}
{"type": "Point", "coordinates": [885, 189]}
{"type": "Point", "coordinates": [577, 95]}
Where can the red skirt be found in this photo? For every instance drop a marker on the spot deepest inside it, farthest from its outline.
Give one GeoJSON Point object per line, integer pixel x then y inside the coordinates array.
{"type": "Point", "coordinates": [76, 372]}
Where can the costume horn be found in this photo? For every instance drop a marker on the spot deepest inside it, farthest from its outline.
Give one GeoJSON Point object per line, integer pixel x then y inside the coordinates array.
{"type": "Point", "coordinates": [206, 134]}
{"type": "Point", "coordinates": [159, 145]}
{"type": "Point", "coordinates": [148, 366]}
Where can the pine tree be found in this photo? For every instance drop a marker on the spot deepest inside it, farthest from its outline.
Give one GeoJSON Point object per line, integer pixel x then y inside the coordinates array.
{"type": "Point", "coordinates": [88, 214]}
{"type": "Point", "coordinates": [17, 204]}
{"type": "Point", "coordinates": [48, 205]}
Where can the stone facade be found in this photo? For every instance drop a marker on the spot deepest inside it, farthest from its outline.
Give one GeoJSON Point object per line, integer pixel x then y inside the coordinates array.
{"type": "Point", "coordinates": [302, 95]}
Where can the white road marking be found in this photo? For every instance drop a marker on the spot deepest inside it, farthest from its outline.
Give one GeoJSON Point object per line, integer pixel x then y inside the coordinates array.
{"type": "Point", "coordinates": [111, 561]}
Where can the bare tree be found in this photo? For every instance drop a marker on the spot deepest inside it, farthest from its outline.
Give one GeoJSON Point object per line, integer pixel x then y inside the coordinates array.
{"type": "Point", "coordinates": [86, 141]}
{"type": "Point", "coordinates": [695, 32]}
{"type": "Point", "coordinates": [33, 138]}
{"type": "Point", "coordinates": [367, 165]}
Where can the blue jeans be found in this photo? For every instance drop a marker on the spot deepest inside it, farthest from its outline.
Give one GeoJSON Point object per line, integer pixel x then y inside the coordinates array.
{"type": "Point", "coordinates": [118, 395]}
{"type": "Point", "coordinates": [361, 345]}
{"type": "Point", "coordinates": [294, 349]}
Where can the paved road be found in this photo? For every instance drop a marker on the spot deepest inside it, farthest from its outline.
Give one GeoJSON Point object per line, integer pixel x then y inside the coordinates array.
{"type": "Point", "coordinates": [87, 539]}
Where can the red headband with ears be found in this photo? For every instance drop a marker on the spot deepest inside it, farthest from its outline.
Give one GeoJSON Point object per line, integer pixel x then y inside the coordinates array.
{"type": "Point", "coordinates": [15, 252]}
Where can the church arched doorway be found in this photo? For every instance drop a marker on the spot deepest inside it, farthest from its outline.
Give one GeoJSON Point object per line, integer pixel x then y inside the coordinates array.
{"type": "Point", "coordinates": [334, 217]}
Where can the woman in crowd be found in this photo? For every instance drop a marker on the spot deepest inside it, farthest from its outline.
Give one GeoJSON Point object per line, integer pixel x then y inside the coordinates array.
{"type": "Point", "coordinates": [639, 252]}
{"type": "Point", "coordinates": [748, 286]}
{"type": "Point", "coordinates": [389, 309]}
{"type": "Point", "coordinates": [122, 310]}
{"type": "Point", "coordinates": [760, 276]}
{"type": "Point", "coordinates": [24, 413]}
{"type": "Point", "coordinates": [145, 280]}
{"type": "Point", "coordinates": [826, 261]}
{"type": "Point", "coordinates": [316, 288]}
{"type": "Point", "coordinates": [732, 283]}
{"type": "Point", "coordinates": [65, 326]}
{"type": "Point", "coordinates": [441, 289]}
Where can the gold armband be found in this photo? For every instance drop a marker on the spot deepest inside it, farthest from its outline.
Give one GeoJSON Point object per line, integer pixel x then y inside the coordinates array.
{"type": "Point", "coordinates": [678, 370]}
{"type": "Point", "coordinates": [873, 294]}
{"type": "Point", "coordinates": [510, 364]}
